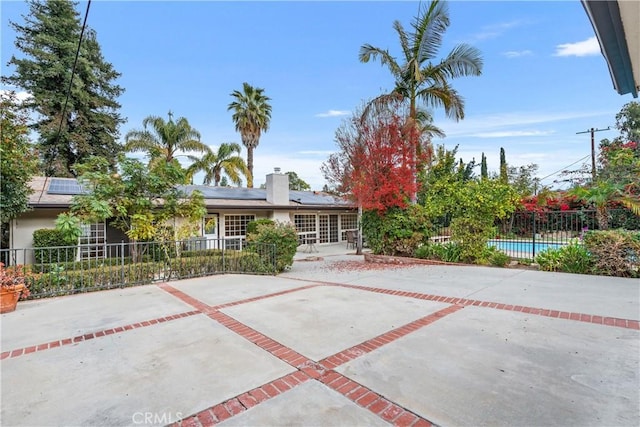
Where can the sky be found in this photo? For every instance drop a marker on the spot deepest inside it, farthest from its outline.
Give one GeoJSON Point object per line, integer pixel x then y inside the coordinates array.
{"type": "Point", "coordinates": [544, 78]}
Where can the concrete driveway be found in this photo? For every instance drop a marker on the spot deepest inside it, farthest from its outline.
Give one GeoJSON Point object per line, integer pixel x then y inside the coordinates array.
{"type": "Point", "coordinates": [334, 341]}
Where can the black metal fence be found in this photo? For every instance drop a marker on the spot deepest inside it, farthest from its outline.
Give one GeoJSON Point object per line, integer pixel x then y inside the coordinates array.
{"type": "Point", "coordinates": [526, 234]}
{"type": "Point", "coordinates": [73, 269]}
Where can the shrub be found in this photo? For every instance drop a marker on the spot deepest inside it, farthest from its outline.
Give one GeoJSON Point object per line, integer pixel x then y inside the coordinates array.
{"type": "Point", "coordinates": [282, 236]}
{"type": "Point", "coordinates": [79, 265]}
{"type": "Point", "coordinates": [52, 238]}
{"type": "Point", "coordinates": [572, 258]}
{"type": "Point", "coordinates": [614, 252]}
{"type": "Point", "coordinates": [549, 260]}
{"type": "Point", "coordinates": [398, 231]}
{"type": "Point", "coordinates": [252, 227]}
{"type": "Point", "coordinates": [447, 252]}
{"type": "Point", "coordinates": [472, 234]}
{"type": "Point", "coordinates": [495, 257]}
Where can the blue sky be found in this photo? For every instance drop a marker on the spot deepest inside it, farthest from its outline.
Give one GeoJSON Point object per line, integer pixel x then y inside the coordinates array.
{"type": "Point", "coordinates": [544, 78]}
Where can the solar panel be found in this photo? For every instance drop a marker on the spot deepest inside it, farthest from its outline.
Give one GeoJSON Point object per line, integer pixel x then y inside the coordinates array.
{"type": "Point", "coordinates": [231, 193]}
{"type": "Point", "coordinates": [66, 186]}
{"type": "Point", "coordinates": [313, 198]}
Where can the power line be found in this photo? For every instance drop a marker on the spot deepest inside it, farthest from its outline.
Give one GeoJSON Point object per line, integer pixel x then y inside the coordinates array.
{"type": "Point", "coordinates": [564, 168]}
{"type": "Point", "coordinates": [73, 70]}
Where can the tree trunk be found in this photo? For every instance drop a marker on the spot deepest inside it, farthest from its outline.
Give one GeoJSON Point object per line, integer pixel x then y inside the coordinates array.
{"type": "Point", "coordinates": [603, 217]}
{"type": "Point", "coordinates": [359, 242]}
{"type": "Point", "coordinates": [250, 167]}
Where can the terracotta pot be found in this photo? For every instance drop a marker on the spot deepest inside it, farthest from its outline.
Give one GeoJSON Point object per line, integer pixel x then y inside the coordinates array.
{"type": "Point", "coordinates": [9, 298]}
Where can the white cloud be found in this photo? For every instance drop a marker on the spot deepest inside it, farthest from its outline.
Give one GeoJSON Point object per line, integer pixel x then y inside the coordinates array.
{"type": "Point", "coordinates": [334, 113]}
{"type": "Point", "coordinates": [493, 31]}
{"type": "Point", "coordinates": [512, 133]}
{"type": "Point", "coordinates": [587, 47]}
{"type": "Point", "coordinates": [517, 53]}
{"type": "Point", "coordinates": [472, 126]}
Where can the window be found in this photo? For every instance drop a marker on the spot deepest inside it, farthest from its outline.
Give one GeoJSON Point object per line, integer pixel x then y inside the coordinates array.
{"type": "Point", "coordinates": [92, 241]}
{"type": "Point", "coordinates": [236, 225]}
{"type": "Point", "coordinates": [305, 226]}
{"type": "Point", "coordinates": [348, 222]}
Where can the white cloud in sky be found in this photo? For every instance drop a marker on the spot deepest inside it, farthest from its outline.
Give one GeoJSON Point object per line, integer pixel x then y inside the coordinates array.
{"type": "Point", "coordinates": [513, 133]}
{"type": "Point", "coordinates": [517, 53]}
{"type": "Point", "coordinates": [334, 113]}
{"type": "Point", "coordinates": [587, 47]}
{"type": "Point", "coordinates": [493, 31]}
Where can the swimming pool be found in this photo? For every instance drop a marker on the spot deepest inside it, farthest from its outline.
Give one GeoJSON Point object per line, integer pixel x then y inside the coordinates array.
{"type": "Point", "coordinates": [520, 248]}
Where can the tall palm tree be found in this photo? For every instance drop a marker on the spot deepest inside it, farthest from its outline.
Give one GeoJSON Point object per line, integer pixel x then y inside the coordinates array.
{"type": "Point", "coordinates": [416, 76]}
{"type": "Point", "coordinates": [162, 140]}
{"type": "Point", "coordinates": [226, 160]}
{"type": "Point", "coordinates": [252, 115]}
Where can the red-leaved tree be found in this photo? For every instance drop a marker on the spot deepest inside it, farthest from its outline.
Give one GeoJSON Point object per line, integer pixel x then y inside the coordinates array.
{"type": "Point", "coordinates": [376, 162]}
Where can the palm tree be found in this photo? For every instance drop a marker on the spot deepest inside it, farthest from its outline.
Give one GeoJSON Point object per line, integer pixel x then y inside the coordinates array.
{"type": "Point", "coordinates": [226, 160]}
{"type": "Point", "coordinates": [251, 114]}
{"type": "Point", "coordinates": [416, 77]}
{"type": "Point", "coordinates": [162, 140]}
{"type": "Point", "coordinates": [601, 194]}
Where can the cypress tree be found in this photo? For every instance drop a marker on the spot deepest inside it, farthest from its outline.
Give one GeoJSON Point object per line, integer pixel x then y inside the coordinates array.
{"type": "Point", "coordinates": [484, 174]}
{"type": "Point", "coordinates": [49, 39]}
{"type": "Point", "coordinates": [504, 178]}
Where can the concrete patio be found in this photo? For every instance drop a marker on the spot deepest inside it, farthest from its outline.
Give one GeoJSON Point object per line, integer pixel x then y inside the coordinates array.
{"type": "Point", "coordinates": [334, 341]}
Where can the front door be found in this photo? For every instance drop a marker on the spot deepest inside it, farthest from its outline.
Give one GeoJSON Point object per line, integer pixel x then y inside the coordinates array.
{"type": "Point", "coordinates": [210, 230]}
{"type": "Point", "coordinates": [328, 228]}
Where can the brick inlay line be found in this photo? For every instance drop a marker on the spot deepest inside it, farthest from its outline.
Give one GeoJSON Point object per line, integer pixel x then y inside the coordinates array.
{"type": "Point", "coordinates": [381, 340]}
{"type": "Point", "coordinates": [86, 337]}
{"type": "Point", "coordinates": [536, 311]}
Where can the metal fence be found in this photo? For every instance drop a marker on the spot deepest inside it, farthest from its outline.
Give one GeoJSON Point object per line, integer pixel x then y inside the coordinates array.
{"type": "Point", "coordinates": [526, 234]}
{"type": "Point", "coordinates": [67, 269]}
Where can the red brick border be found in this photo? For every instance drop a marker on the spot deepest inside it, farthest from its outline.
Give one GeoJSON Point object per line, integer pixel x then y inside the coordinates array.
{"type": "Point", "coordinates": [67, 341]}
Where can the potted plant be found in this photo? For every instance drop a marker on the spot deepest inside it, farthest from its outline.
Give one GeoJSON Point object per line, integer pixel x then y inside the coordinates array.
{"type": "Point", "coordinates": [13, 285]}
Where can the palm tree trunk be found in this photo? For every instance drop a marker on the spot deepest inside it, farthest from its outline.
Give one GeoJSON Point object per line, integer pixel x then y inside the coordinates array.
{"type": "Point", "coordinates": [603, 217]}
{"type": "Point", "coordinates": [250, 167]}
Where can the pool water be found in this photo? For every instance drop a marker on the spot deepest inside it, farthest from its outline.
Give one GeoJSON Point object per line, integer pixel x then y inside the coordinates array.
{"type": "Point", "coordinates": [523, 246]}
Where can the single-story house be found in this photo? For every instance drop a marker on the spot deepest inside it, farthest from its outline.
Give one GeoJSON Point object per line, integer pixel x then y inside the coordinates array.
{"type": "Point", "coordinates": [318, 217]}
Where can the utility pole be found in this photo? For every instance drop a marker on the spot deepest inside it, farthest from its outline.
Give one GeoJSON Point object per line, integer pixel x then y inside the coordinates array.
{"type": "Point", "coordinates": [593, 149]}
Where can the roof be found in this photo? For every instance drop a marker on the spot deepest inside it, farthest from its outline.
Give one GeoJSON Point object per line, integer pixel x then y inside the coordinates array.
{"type": "Point", "coordinates": [58, 192]}
{"type": "Point", "coordinates": [617, 27]}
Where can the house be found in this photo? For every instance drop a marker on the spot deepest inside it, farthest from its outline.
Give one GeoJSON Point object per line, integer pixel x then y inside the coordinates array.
{"type": "Point", "coordinates": [617, 27]}
{"type": "Point", "coordinates": [317, 216]}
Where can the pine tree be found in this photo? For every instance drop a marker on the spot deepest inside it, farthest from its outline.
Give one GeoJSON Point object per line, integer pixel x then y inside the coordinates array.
{"type": "Point", "coordinates": [484, 174]}
{"type": "Point", "coordinates": [49, 40]}
{"type": "Point", "coordinates": [504, 177]}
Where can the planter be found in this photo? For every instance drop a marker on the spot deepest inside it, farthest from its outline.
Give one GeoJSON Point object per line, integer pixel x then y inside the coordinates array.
{"type": "Point", "coordinates": [9, 298]}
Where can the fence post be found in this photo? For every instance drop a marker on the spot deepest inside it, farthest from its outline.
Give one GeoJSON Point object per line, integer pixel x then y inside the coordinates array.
{"type": "Point", "coordinates": [533, 242]}
{"type": "Point", "coordinates": [122, 262]}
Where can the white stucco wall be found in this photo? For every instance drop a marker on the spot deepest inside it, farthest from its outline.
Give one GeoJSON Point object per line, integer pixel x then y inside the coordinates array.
{"type": "Point", "coordinates": [22, 231]}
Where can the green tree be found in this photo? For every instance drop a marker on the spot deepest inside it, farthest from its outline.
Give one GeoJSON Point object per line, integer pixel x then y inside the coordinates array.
{"type": "Point", "coordinates": [226, 160]}
{"type": "Point", "coordinates": [162, 140]}
{"type": "Point", "coordinates": [297, 183]}
{"type": "Point", "coordinates": [523, 179]}
{"type": "Point", "coordinates": [49, 39]}
{"type": "Point", "coordinates": [601, 194]}
{"type": "Point", "coordinates": [252, 116]}
{"type": "Point", "coordinates": [418, 75]}
{"type": "Point", "coordinates": [484, 174]}
{"type": "Point", "coordinates": [18, 161]}
{"type": "Point", "coordinates": [504, 175]}
{"type": "Point", "coordinates": [139, 200]}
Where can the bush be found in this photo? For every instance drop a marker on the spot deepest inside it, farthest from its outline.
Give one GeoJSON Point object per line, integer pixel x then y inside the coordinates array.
{"type": "Point", "coordinates": [79, 265]}
{"type": "Point", "coordinates": [398, 231]}
{"type": "Point", "coordinates": [65, 282]}
{"type": "Point", "coordinates": [614, 252]}
{"type": "Point", "coordinates": [284, 239]}
{"type": "Point", "coordinates": [495, 257]}
{"type": "Point", "coordinates": [572, 258]}
{"type": "Point", "coordinates": [472, 234]}
{"type": "Point", "coordinates": [447, 252]}
{"type": "Point", "coordinates": [52, 238]}
{"type": "Point", "coordinates": [252, 227]}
